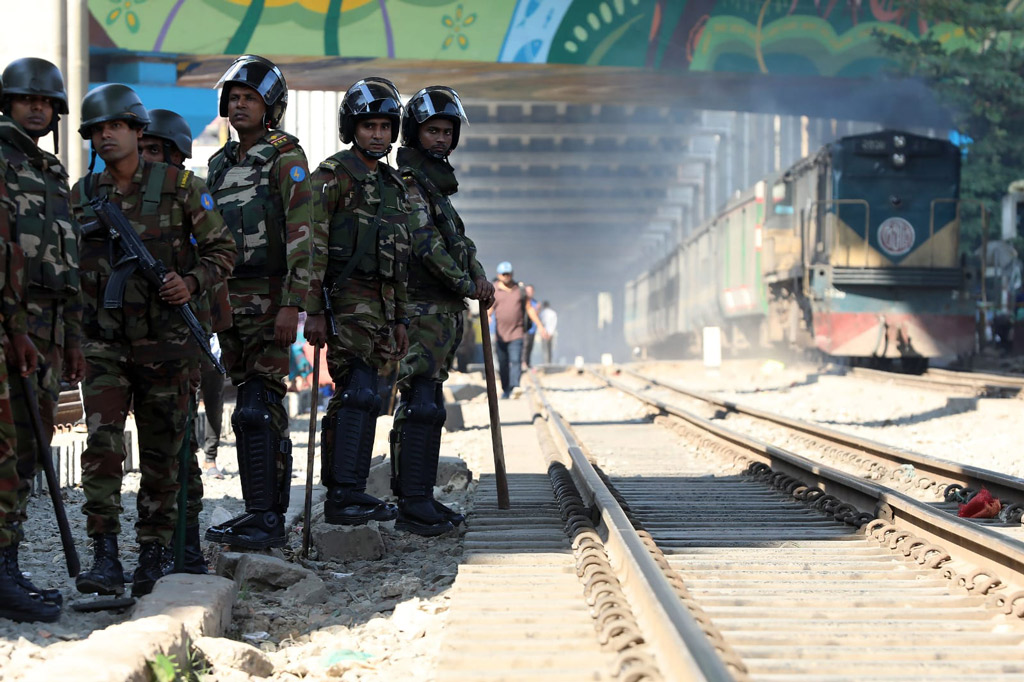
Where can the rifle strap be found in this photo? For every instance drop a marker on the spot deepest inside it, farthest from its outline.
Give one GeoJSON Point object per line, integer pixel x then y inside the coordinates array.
{"type": "Point", "coordinates": [151, 195]}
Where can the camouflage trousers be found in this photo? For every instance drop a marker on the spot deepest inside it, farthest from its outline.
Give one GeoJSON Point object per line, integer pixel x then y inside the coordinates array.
{"type": "Point", "coordinates": [250, 352]}
{"type": "Point", "coordinates": [47, 385]}
{"type": "Point", "coordinates": [433, 340]}
{"type": "Point", "coordinates": [158, 394]}
{"type": "Point", "coordinates": [363, 334]}
{"type": "Point", "coordinates": [9, 480]}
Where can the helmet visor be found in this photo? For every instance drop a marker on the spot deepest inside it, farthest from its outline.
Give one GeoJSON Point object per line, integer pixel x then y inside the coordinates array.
{"type": "Point", "coordinates": [260, 75]}
{"type": "Point", "coordinates": [373, 97]}
{"type": "Point", "coordinates": [437, 100]}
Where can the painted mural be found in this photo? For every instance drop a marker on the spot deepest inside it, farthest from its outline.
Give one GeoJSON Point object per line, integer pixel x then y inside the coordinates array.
{"type": "Point", "coordinates": [797, 37]}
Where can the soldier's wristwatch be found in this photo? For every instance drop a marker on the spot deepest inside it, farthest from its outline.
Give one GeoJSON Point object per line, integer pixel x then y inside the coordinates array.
{"type": "Point", "coordinates": [403, 320]}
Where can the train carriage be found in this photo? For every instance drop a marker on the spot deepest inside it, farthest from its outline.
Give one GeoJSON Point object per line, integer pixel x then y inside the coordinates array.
{"type": "Point", "coordinates": [853, 251]}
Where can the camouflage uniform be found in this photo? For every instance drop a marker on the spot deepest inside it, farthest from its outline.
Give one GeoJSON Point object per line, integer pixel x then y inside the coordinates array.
{"type": "Point", "coordinates": [12, 309]}
{"type": "Point", "coordinates": [266, 201]}
{"type": "Point", "coordinates": [38, 188]}
{"type": "Point", "coordinates": [140, 355]}
{"type": "Point", "coordinates": [366, 215]}
{"type": "Point", "coordinates": [442, 273]}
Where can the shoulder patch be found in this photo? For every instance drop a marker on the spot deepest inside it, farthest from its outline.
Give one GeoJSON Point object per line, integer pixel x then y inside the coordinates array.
{"type": "Point", "coordinates": [184, 179]}
{"type": "Point", "coordinates": [206, 201]}
{"type": "Point", "coordinates": [329, 164]}
{"type": "Point", "coordinates": [297, 173]}
{"type": "Point", "coordinates": [282, 141]}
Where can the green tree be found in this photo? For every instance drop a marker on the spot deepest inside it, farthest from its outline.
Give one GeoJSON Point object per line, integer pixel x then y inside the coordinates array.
{"type": "Point", "coordinates": [973, 58]}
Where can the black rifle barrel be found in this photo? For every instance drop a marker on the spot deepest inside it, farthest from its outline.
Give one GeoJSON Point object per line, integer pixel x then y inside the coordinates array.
{"type": "Point", "coordinates": [46, 459]}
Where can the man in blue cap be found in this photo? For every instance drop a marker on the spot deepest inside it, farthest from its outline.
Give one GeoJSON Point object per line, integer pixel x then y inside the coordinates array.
{"type": "Point", "coordinates": [512, 315]}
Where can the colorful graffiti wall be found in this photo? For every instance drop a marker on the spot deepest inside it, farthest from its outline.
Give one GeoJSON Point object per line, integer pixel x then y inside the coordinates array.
{"type": "Point", "coordinates": [797, 37]}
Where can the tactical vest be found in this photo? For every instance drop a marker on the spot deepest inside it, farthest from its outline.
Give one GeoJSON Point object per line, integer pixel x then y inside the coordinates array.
{"type": "Point", "coordinates": [43, 223]}
{"type": "Point", "coordinates": [422, 282]}
{"type": "Point", "coordinates": [373, 231]}
{"type": "Point", "coordinates": [249, 200]}
{"type": "Point", "coordinates": [160, 220]}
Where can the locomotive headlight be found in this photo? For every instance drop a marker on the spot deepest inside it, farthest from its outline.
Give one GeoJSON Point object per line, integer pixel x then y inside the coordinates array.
{"type": "Point", "coordinates": [899, 160]}
{"type": "Point", "coordinates": [899, 142]}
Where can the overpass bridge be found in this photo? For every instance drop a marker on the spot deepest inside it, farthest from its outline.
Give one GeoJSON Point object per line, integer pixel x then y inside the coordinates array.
{"type": "Point", "coordinates": [602, 131]}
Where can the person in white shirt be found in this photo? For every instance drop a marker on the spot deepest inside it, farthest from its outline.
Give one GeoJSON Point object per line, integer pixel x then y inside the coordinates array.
{"type": "Point", "coordinates": [549, 318]}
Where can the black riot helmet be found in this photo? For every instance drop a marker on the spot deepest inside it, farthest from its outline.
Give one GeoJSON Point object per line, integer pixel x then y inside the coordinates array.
{"type": "Point", "coordinates": [436, 100]}
{"type": "Point", "coordinates": [34, 76]}
{"type": "Point", "coordinates": [370, 98]}
{"type": "Point", "coordinates": [112, 102]}
{"type": "Point", "coordinates": [172, 129]}
{"type": "Point", "coordinates": [263, 76]}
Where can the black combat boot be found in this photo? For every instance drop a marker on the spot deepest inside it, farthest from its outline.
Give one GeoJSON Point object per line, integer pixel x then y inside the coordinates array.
{"type": "Point", "coordinates": [346, 506]}
{"type": "Point", "coordinates": [414, 457]}
{"type": "Point", "coordinates": [106, 576]}
{"type": "Point", "coordinates": [433, 452]}
{"type": "Point", "coordinates": [150, 568]}
{"type": "Point", "coordinates": [195, 562]}
{"type": "Point", "coordinates": [252, 530]}
{"type": "Point", "coordinates": [18, 605]}
{"type": "Point", "coordinates": [11, 553]}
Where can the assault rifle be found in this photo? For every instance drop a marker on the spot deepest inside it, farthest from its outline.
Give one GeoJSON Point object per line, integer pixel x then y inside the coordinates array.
{"type": "Point", "coordinates": [137, 257]}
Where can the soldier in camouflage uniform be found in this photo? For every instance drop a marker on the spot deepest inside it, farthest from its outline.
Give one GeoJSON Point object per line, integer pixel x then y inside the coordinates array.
{"type": "Point", "coordinates": [42, 225]}
{"type": "Point", "coordinates": [168, 139]}
{"type": "Point", "coordinates": [262, 188]}
{"type": "Point", "coordinates": [17, 602]}
{"type": "Point", "coordinates": [363, 228]}
{"type": "Point", "coordinates": [443, 272]}
{"type": "Point", "coordinates": [139, 354]}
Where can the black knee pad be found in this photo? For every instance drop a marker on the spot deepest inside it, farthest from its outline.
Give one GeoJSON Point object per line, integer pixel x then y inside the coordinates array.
{"type": "Point", "coordinates": [354, 426]}
{"type": "Point", "coordinates": [419, 442]}
{"type": "Point", "coordinates": [259, 445]}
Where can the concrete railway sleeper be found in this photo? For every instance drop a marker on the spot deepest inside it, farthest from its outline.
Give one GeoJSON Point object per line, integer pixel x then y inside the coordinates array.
{"type": "Point", "coordinates": [920, 475]}
{"type": "Point", "coordinates": [818, 576]}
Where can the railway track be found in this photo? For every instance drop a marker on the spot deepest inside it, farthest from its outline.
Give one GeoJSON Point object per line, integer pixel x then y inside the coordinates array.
{"type": "Point", "coordinates": [981, 384]}
{"type": "Point", "coordinates": [791, 569]}
{"type": "Point", "coordinates": [927, 478]}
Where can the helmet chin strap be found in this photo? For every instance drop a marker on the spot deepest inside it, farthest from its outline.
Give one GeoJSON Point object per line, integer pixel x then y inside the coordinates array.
{"type": "Point", "coordinates": [371, 155]}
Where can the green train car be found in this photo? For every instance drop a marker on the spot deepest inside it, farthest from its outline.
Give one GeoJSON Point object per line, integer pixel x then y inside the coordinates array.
{"type": "Point", "coordinates": [853, 251]}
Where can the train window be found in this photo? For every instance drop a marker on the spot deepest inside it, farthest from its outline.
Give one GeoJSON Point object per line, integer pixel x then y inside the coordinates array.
{"type": "Point", "coordinates": [782, 198]}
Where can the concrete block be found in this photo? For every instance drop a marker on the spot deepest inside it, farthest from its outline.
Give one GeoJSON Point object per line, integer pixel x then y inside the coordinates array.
{"type": "Point", "coordinates": [309, 590]}
{"type": "Point", "coordinates": [466, 391]}
{"type": "Point", "coordinates": [453, 471]}
{"type": "Point", "coordinates": [268, 570]}
{"type": "Point", "coordinates": [378, 483]}
{"type": "Point", "coordinates": [228, 654]}
{"type": "Point", "coordinates": [119, 653]}
{"type": "Point", "coordinates": [454, 420]}
{"type": "Point", "coordinates": [227, 562]}
{"type": "Point", "coordinates": [348, 543]}
{"type": "Point", "coordinates": [201, 602]}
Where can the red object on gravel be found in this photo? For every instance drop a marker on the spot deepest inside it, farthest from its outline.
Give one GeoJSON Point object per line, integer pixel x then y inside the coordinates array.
{"type": "Point", "coordinates": [981, 506]}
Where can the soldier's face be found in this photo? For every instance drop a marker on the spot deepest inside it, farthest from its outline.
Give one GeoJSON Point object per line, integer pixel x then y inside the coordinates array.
{"type": "Point", "coordinates": [436, 135]}
{"type": "Point", "coordinates": [32, 112]}
{"type": "Point", "coordinates": [246, 109]}
{"type": "Point", "coordinates": [152, 149]}
{"type": "Point", "coordinates": [374, 134]}
{"type": "Point", "coordinates": [115, 140]}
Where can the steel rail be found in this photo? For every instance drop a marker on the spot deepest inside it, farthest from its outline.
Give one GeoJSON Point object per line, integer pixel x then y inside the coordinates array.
{"type": "Point", "coordinates": [996, 554]}
{"type": "Point", "coordinates": [1008, 489]}
{"type": "Point", "coordinates": [678, 642]}
{"type": "Point", "coordinates": [974, 383]}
